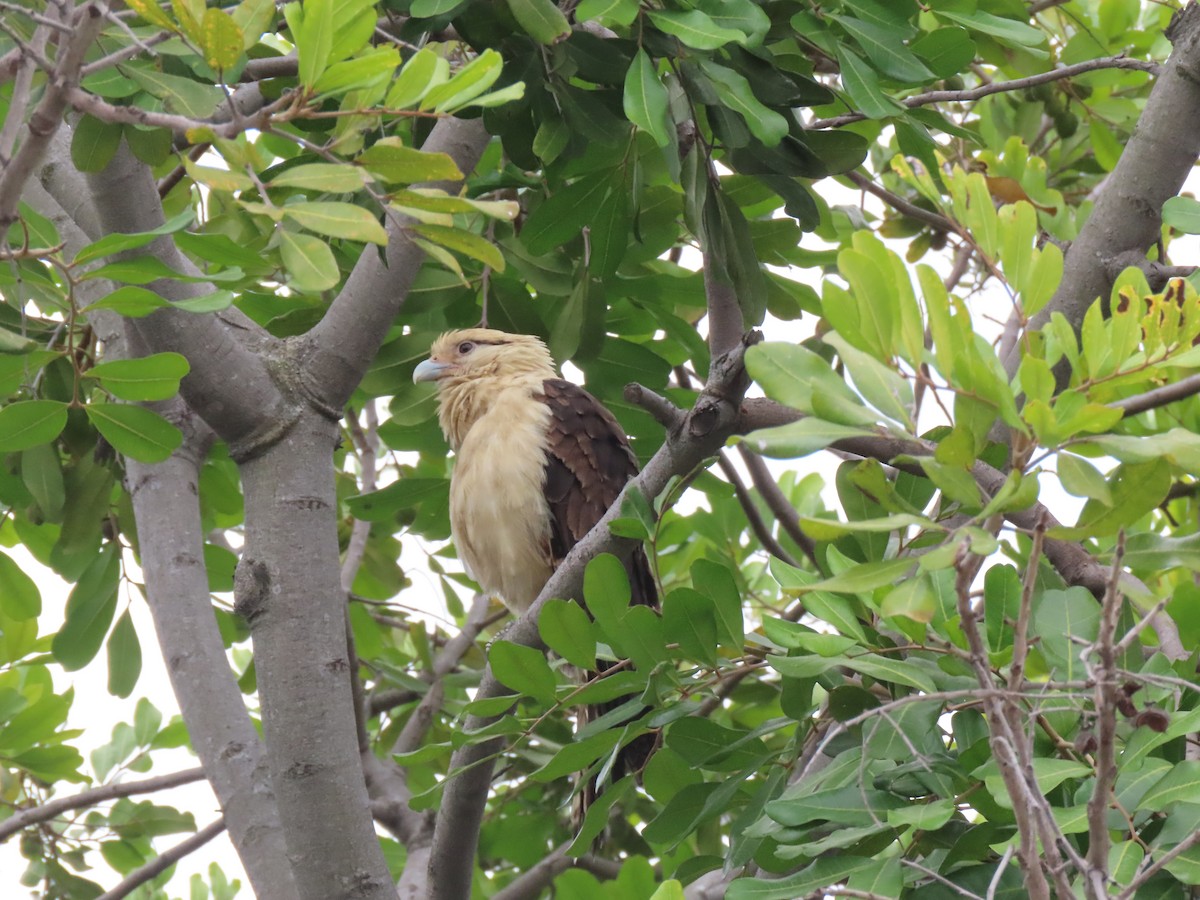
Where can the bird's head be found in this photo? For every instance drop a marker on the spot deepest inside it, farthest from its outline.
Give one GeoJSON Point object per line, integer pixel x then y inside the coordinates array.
{"type": "Point", "coordinates": [474, 367]}
{"type": "Point", "coordinates": [475, 355]}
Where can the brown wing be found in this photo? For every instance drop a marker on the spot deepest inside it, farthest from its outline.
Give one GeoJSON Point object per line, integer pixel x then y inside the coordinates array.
{"type": "Point", "coordinates": [589, 461]}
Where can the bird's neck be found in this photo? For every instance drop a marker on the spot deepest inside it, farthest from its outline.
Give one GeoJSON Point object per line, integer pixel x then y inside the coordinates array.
{"type": "Point", "coordinates": [463, 403]}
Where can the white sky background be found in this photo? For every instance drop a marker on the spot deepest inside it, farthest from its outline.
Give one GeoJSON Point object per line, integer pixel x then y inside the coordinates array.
{"type": "Point", "coordinates": [96, 711]}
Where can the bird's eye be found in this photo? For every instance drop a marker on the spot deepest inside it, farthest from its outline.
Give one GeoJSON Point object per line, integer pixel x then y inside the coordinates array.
{"type": "Point", "coordinates": [465, 347]}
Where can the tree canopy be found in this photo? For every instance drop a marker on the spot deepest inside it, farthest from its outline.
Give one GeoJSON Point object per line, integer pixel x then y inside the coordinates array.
{"type": "Point", "coordinates": [932, 242]}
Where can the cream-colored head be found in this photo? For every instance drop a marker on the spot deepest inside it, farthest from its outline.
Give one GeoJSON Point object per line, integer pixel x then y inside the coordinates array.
{"type": "Point", "coordinates": [473, 366]}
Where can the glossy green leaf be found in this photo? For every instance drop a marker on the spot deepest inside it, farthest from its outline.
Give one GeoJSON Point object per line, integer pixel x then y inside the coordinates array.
{"type": "Point", "coordinates": [90, 609]}
{"type": "Point", "coordinates": [523, 669]}
{"type": "Point", "coordinates": [886, 51]}
{"type": "Point", "coordinates": [468, 83]}
{"type": "Point", "coordinates": [124, 657]}
{"type": "Point", "coordinates": [862, 84]}
{"type": "Point", "coordinates": [135, 431]}
{"type": "Point", "coordinates": [695, 29]}
{"type": "Point", "coordinates": [645, 99]}
{"type": "Point", "coordinates": [19, 596]}
{"type": "Point", "coordinates": [93, 143]}
{"type": "Point", "coordinates": [339, 220]}
{"type": "Point", "coordinates": [541, 20]}
{"type": "Point", "coordinates": [568, 631]}
{"type": "Point", "coordinates": [29, 422]}
{"type": "Point", "coordinates": [221, 39]}
{"type": "Point", "coordinates": [423, 71]}
{"type": "Point", "coordinates": [735, 92]}
{"type": "Point", "coordinates": [390, 160]}
{"type": "Point", "coordinates": [690, 618]}
{"type": "Point", "coordinates": [464, 242]}
{"type": "Point", "coordinates": [309, 262]}
{"type": "Point", "coordinates": [154, 377]}
{"type": "Point", "coordinates": [328, 177]}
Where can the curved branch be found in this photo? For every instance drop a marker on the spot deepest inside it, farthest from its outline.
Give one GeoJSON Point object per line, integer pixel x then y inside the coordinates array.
{"type": "Point", "coordinates": [48, 116]}
{"type": "Point", "coordinates": [163, 861]}
{"type": "Point", "coordinates": [51, 808]}
{"type": "Point", "coordinates": [999, 87]}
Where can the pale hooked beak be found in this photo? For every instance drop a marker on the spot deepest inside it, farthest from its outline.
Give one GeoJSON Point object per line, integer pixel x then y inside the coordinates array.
{"type": "Point", "coordinates": [430, 370]}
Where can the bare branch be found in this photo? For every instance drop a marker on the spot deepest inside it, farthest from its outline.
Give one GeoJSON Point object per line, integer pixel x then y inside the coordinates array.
{"type": "Point", "coordinates": [51, 808]}
{"type": "Point", "coordinates": [1160, 396]}
{"type": "Point", "coordinates": [1106, 691]}
{"type": "Point", "coordinates": [14, 119]}
{"type": "Point", "coordinates": [785, 513]}
{"type": "Point", "coordinates": [163, 861]}
{"type": "Point", "coordinates": [753, 516]}
{"type": "Point", "coordinates": [47, 117]}
{"type": "Point", "coordinates": [898, 203]}
{"type": "Point", "coordinates": [366, 441]}
{"type": "Point", "coordinates": [999, 87]}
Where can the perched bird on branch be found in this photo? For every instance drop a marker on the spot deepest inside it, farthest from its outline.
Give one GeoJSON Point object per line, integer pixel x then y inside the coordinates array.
{"type": "Point", "coordinates": [538, 461]}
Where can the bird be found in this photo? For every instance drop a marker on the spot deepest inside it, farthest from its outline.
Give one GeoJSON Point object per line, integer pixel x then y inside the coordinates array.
{"type": "Point", "coordinates": [538, 461]}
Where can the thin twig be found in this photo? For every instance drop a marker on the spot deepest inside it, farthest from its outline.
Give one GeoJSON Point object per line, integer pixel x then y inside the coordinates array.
{"type": "Point", "coordinates": [753, 516]}
{"type": "Point", "coordinates": [163, 861]}
{"type": "Point", "coordinates": [1160, 396]}
{"type": "Point", "coordinates": [1106, 691]}
{"type": "Point", "coordinates": [998, 87]}
{"type": "Point", "coordinates": [785, 513]}
{"type": "Point", "coordinates": [51, 808]}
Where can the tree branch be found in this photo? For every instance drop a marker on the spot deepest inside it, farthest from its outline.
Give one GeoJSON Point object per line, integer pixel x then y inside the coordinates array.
{"type": "Point", "coordinates": [999, 87]}
{"type": "Point", "coordinates": [51, 808]}
{"type": "Point", "coordinates": [1160, 396]}
{"type": "Point", "coordinates": [785, 513]}
{"type": "Point", "coordinates": [257, 412]}
{"type": "Point", "coordinates": [898, 203]}
{"type": "Point", "coordinates": [47, 117]}
{"type": "Point", "coordinates": [163, 861]}
{"type": "Point", "coordinates": [753, 516]}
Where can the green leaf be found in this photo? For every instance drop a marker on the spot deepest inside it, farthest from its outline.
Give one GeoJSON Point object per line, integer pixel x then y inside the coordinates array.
{"type": "Point", "coordinates": [423, 72]}
{"type": "Point", "coordinates": [468, 83]}
{"type": "Point", "coordinates": [523, 669]}
{"type": "Point", "coordinates": [221, 40]}
{"type": "Point", "coordinates": [135, 431]}
{"type": "Point", "coordinates": [312, 29]}
{"type": "Point", "coordinates": [859, 579]}
{"type": "Point", "coordinates": [333, 178]}
{"type": "Point", "coordinates": [19, 596]}
{"type": "Point", "coordinates": [567, 630]}
{"type": "Point", "coordinates": [93, 143]}
{"type": "Point", "coordinates": [561, 216]}
{"type": "Point", "coordinates": [154, 377]}
{"type": "Point", "coordinates": [618, 12]}
{"type": "Point", "coordinates": [541, 20]}
{"type": "Point", "coordinates": [735, 92]}
{"type": "Point", "coordinates": [337, 219]}
{"type": "Point", "coordinates": [397, 164]}
{"type": "Point", "coordinates": [886, 51]}
{"type": "Point", "coordinates": [689, 617]}
{"type": "Point", "coordinates": [369, 70]}
{"type": "Point", "coordinates": [115, 243]}
{"type": "Point", "coordinates": [797, 439]}
{"type": "Point", "coordinates": [179, 95]}
{"type": "Point", "coordinates": [1007, 31]}
{"type": "Point", "coordinates": [1081, 479]}
{"type": "Point", "coordinates": [1182, 214]}
{"type": "Point", "coordinates": [606, 590]}
{"type": "Point", "coordinates": [862, 84]}
{"type": "Point", "coordinates": [645, 99]}
{"type": "Point", "coordinates": [124, 657]}
{"type": "Point", "coordinates": [947, 51]}
{"type": "Point", "coordinates": [29, 422]}
{"type": "Point", "coordinates": [718, 583]}
{"type": "Point", "coordinates": [695, 29]}
{"type": "Point", "coordinates": [464, 242]}
{"type": "Point", "coordinates": [89, 611]}
{"type": "Point", "coordinates": [309, 262]}
{"type": "Point", "coordinates": [41, 471]}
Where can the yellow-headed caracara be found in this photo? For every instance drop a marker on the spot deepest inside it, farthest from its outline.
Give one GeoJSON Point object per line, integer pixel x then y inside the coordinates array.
{"type": "Point", "coordinates": [539, 461]}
